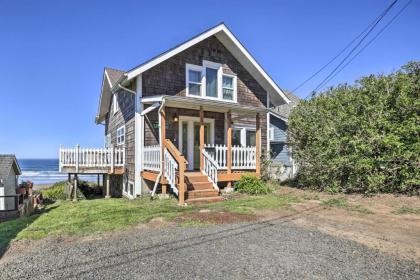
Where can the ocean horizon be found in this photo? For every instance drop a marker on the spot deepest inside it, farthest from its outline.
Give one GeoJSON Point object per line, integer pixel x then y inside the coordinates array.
{"type": "Point", "coordinates": [45, 171]}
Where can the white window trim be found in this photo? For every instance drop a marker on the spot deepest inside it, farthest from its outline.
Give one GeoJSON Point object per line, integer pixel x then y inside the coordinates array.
{"type": "Point", "coordinates": [115, 105]}
{"type": "Point", "coordinates": [243, 130]}
{"type": "Point", "coordinates": [220, 74]}
{"type": "Point", "coordinates": [271, 134]}
{"type": "Point", "coordinates": [127, 194]}
{"type": "Point", "coordinates": [122, 143]}
{"type": "Point", "coordinates": [235, 88]}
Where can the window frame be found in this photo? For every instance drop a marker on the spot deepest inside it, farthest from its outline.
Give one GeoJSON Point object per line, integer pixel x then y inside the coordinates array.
{"type": "Point", "coordinates": [107, 141]}
{"type": "Point", "coordinates": [115, 105]}
{"type": "Point", "coordinates": [203, 84]}
{"type": "Point", "coordinates": [119, 143]}
{"type": "Point", "coordinates": [243, 130]}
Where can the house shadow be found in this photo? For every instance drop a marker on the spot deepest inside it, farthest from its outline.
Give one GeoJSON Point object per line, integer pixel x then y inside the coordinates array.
{"type": "Point", "coordinates": [11, 228]}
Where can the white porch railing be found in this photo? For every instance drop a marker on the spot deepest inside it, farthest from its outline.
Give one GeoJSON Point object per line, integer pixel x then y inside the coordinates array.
{"type": "Point", "coordinates": [151, 158]}
{"type": "Point", "coordinates": [93, 158]}
{"type": "Point", "coordinates": [242, 157]}
{"type": "Point", "coordinates": [210, 168]}
{"type": "Point", "coordinates": [171, 167]}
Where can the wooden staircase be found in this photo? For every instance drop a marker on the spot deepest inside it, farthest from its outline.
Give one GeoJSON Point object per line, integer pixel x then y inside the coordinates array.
{"type": "Point", "coordinates": [200, 189]}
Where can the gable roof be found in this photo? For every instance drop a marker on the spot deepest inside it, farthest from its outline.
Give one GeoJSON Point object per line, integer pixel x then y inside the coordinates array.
{"type": "Point", "coordinates": [284, 110]}
{"type": "Point", "coordinates": [110, 79]}
{"type": "Point", "coordinates": [227, 38]}
{"type": "Point", "coordinates": [7, 162]}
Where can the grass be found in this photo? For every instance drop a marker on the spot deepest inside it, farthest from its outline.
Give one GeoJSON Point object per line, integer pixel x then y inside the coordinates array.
{"type": "Point", "coordinates": [407, 210]}
{"type": "Point", "coordinates": [343, 203]}
{"type": "Point", "coordinates": [89, 217]}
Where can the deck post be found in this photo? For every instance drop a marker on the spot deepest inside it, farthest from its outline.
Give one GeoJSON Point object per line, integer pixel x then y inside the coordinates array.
{"type": "Point", "coordinates": [107, 187]}
{"type": "Point", "coordinates": [258, 145]}
{"type": "Point", "coordinates": [162, 145]}
{"type": "Point", "coordinates": [201, 139]}
{"type": "Point", "coordinates": [112, 158]}
{"type": "Point", "coordinates": [229, 145]}
{"type": "Point", "coordinates": [77, 157]}
{"type": "Point", "coordinates": [98, 181]}
{"type": "Point", "coordinates": [75, 182]}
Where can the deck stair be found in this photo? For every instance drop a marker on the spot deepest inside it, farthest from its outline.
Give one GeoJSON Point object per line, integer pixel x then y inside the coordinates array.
{"type": "Point", "coordinates": [200, 189]}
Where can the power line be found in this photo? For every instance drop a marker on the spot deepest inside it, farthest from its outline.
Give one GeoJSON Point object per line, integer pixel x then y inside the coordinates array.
{"type": "Point", "coordinates": [336, 56]}
{"type": "Point", "coordinates": [356, 46]}
{"type": "Point", "coordinates": [373, 39]}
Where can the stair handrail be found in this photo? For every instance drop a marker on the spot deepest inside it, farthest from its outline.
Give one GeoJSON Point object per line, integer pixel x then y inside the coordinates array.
{"type": "Point", "coordinates": [182, 163]}
{"type": "Point", "coordinates": [210, 168]}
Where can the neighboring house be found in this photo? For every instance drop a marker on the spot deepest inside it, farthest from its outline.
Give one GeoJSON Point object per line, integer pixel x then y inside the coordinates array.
{"type": "Point", "coordinates": [279, 150]}
{"type": "Point", "coordinates": [9, 174]}
{"type": "Point", "coordinates": [194, 119]}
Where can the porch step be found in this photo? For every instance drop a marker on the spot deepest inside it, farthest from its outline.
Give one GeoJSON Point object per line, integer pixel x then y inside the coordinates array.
{"type": "Point", "coordinates": [202, 193]}
{"type": "Point", "coordinates": [199, 186]}
{"type": "Point", "coordinates": [200, 200]}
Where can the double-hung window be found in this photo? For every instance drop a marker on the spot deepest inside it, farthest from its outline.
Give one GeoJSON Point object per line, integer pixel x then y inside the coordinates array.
{"type": "Point", "coordinates": [243, 136]}
{"type": "Point", "coordinates": [209, 81]}
{"type": "Point", "coordinates": [194, 80]}
{"type": "Point", "coordinates": [121, 135]}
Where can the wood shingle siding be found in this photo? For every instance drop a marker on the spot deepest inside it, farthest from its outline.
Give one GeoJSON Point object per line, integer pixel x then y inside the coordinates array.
{"type": "Point", "coordinates": [168, 77]}
{"type": "Point", "coordinates": [124, 117]}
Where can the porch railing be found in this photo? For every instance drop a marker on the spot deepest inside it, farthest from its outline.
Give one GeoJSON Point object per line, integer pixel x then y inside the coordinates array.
{"type": "Point", "coordinates": [242, 157]}
{"type": "Point", "coordinates": [171, 167]}
{"type": "Point", "coordinates": [94, 158]}
{"type": "Point", "coordinates": [210, 168]}
{"type": "Point", "coordinates": [152, 158]}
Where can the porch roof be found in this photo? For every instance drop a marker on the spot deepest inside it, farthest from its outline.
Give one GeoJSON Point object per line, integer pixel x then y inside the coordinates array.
{"type": "Point", "coordinates": [207, 104]}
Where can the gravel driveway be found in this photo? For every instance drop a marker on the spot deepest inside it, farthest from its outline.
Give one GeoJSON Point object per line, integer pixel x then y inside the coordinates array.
{"type": "Point", "coordinates": [273, 249]}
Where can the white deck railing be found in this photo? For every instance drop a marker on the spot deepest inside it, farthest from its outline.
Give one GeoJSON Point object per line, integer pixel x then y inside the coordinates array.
{"type": "Point", "coordinates": [210, 168]}
{"type": "Point", "coordinates": [93, 158]}
{"type": "Point", "coordinates": [151, 158]}
{"type": "Point", "coordinates": [242, 157]}
{"type": "Point", "coordinates": [171, 166]}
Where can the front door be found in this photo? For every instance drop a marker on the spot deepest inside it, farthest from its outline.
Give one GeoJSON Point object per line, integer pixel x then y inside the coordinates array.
{"type": "Point", "coordinates": [189, 134]}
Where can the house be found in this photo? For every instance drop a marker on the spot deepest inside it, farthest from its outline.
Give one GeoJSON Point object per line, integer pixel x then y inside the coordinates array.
{"type": "Point", "coordinates": [279, 151]}
{"type": "Point", "coordinates": [9, 174]}
{"type": "Point", "coordinates": [191, 120]}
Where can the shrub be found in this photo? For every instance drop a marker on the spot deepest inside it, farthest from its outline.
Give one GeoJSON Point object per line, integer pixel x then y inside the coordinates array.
{"type": "Point", "coordinates": [56, 191]}
{"type": "Point", "coordinates": [251, 184]}
{"type": "Point", "coordinates": [361, 138]}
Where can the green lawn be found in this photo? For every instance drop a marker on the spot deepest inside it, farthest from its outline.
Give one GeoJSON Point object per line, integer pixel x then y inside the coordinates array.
{"type": "Point", "coordinates": [89, 217]}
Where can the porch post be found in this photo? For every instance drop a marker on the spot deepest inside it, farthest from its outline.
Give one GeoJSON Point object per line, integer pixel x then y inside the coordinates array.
{"type": "Point", "coordinates": [107, 187]}
{"type": "Point", "coordinates": [201, 138]}
{"type": "Point", "coordinates": [229, 145]}
{"type": "Point", "coordinates": [258, 145]}
{"type": "Point", "coordinates": [162, 139]}
{"type": "Point", "coordinates": [75, 182]}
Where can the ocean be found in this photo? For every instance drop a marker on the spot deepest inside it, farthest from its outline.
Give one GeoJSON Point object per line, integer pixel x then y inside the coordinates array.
{"type": "Point", "coordinates": [44, 171]}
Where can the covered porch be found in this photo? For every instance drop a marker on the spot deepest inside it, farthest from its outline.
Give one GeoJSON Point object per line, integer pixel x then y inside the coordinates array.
{"type": "Point", "coordinates": [204, 139]}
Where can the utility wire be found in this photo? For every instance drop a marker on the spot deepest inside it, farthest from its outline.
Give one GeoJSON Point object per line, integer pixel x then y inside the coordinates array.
{"type": "Point", "coordinates": [356, 46]}
{"type": "Point", "coordinates": [373, 39]}
{"type": "Point", "coordinates": [336, 56]}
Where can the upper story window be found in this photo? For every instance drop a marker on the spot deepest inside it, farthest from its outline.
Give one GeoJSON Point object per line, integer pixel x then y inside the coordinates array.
{"type": "Point", "coordinates": [121, 135]}
{"type": "Point", "coordinates": [209, 81]}
{"type": "Point", "coordinates": [115, 106]}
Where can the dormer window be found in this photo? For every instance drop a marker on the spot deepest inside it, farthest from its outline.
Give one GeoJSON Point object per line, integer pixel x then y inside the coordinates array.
{"type": "Point", "coordinates": [209, 81]}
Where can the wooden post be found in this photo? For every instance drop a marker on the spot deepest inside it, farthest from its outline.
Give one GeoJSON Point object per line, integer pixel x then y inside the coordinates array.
{"type": "Point", "coordinates": [163, 137]}
{"type": "Point", "coordinates": [77, 158]}
{"type": "Point", "coordinates": [75, 181]}
{"type": "Point", "coordinates": [201, 138]}
{"type": "Point", "coordinates": [181, 189]}
{"type": "Point", "coordinates": [107, 187]}
{"type": "Point", "coordinates": [258, 145]}
{"type": "Point", "coordinates": [229, 145]}
{"type": "Point", "coordinates": [98, 181]}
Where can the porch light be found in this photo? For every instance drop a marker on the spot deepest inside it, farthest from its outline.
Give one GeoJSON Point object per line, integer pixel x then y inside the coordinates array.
{"type": "Point", "coordinates": [175, 118]}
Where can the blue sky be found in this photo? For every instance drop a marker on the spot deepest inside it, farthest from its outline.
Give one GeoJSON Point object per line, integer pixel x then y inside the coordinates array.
{"type": "Point", "coordinates": [52, 53]}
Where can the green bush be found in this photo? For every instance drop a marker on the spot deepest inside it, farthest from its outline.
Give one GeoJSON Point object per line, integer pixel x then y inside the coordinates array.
{"type": "Point", "coordinates": [251, 184]}
{"type": "Point", "coordinates": [361, 138]}
{"type": "Point", "coordinates": [56, 191]}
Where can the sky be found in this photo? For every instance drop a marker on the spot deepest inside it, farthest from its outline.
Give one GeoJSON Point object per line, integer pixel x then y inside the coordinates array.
{"type": "Point", "coordinates": [52, 53]}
